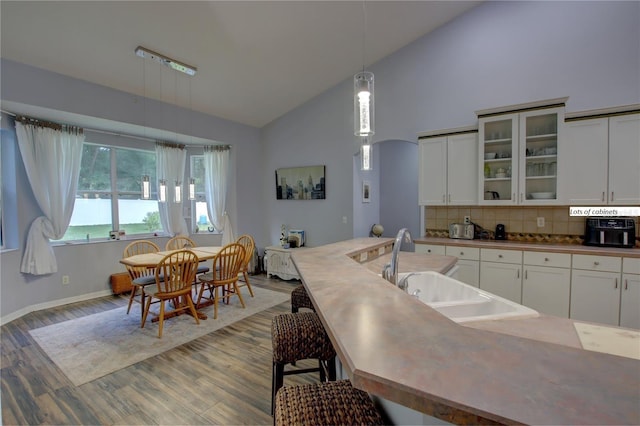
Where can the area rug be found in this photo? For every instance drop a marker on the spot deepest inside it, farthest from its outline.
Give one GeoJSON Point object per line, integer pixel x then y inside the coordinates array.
{"type": "Point", "coordinates": [90, 347]}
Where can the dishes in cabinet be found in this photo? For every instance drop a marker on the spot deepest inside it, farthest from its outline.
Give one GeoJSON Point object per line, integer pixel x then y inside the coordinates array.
{"type": "Point", "coordinates": [543, 195]}
{"type": "Point", "coordinates": [489, 155]}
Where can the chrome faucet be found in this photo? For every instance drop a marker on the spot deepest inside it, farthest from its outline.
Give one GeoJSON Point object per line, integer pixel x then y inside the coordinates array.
{"type": "Point", "coordinates": [390, 270]}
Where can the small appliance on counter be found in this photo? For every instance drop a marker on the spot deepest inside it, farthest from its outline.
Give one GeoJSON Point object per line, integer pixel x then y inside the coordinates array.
{"type": "Point", "coordinates": [501, 233]}
{"type": "Point", "coordinates": [464, 231]}
{"type": "Point", "coordinates": [610, 232]}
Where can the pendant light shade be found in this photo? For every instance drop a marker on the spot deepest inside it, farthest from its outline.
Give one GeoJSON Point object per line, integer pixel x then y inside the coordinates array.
{"type": "Point", "coordinates": [177, 194]}
{"type": "Point", "coordinates": [146, 187]}
{"type": "Point", "coordinates": [162, 191]}
{"type": "Point", "coordinates": [192, 189]}
{"type": "Point", "coordinates": [363, 103]}
{"type": "Point", "coordinates": [366, 155]}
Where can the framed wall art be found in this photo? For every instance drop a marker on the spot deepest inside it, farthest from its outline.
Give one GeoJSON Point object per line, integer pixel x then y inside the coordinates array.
{"type": "Point", "coordinates": [366, 191]}
{"type": "Point", "coordinates": [300, 183]}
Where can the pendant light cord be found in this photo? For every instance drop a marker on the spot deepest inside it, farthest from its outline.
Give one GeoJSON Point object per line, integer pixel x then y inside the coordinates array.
{"type": "Point", "coordinates": [364, 33]}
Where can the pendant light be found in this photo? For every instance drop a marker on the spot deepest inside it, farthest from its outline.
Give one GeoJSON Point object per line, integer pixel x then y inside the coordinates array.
{"type": "Point", "coordinates": [177, 193]}
{"type": "Point", "coordinates": [363, 97]}
{"type": "Point", "coordinates": [146, 187]}
{"type": "Point", "coordinates": [162, 191]}
{"type": "Point", "coordinates": [366, 155]}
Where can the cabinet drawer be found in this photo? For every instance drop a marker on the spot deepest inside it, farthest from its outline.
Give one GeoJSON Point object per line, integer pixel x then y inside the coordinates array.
{"type": "Point", "coordinates": [429, 249]}
{"type": "Point", "coordinates": [558, 260]}
{"type": "Point", "coordinates": [597, 263]}
{"type": "Point", "coordinates": [630, 266]}
{"type": "Point", "coordinates": [468, 253]}
{"type": "Point", "coordinates": [502, 256]}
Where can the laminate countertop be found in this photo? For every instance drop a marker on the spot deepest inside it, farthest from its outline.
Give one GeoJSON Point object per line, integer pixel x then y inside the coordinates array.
{"type": "Point", "coordinates": [397, 348]}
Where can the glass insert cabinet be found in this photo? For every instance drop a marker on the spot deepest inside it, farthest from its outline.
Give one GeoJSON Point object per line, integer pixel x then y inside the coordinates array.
{"type": "Point", "coordinates": [518, 157]}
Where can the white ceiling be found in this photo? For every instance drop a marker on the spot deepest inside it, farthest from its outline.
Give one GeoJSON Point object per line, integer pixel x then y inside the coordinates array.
{"type": "Point", "coordinates": [256, 60]}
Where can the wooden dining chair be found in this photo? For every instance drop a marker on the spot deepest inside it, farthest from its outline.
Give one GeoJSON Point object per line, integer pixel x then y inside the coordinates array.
{"type": "Point", "coordinates": [179, 242]}
{"type": "Point", "coordinates": [249, 246]}
{"type": "Point", "coordinates": [225, 272]}
{"type": "Point", "coordinates": [141, 276]}
{"type": "Point", "coordinates": [173, 278]}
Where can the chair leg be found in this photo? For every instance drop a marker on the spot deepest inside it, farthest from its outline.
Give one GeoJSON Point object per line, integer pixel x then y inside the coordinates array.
{"type": "Point", "coordinates": [215, 302]}
{"type": "Point", "coordinates": [246, 279]}
{"type": "Point", "coordinates": [200, 293]}
{"type": "Point", "coordinates": [145, 312]}
{"type": "Point", "coordinates": [235, 287]}
{"type": "Point", "coordinates": [192, 308]}
{"type": "Point", "coordinates": [134, 290]}
{"type": "Point", "coordinates": [277, 379]}
{"type": "Point", "coordinates": [161, 318]}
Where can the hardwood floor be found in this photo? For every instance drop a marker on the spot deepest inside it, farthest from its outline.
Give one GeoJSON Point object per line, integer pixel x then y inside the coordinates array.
{"type": "Point", "coordinates": [221, 378]}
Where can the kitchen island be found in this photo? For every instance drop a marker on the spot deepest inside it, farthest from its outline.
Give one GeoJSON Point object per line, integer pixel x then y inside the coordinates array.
{"type": "Point", "coordinates": [396, 348]}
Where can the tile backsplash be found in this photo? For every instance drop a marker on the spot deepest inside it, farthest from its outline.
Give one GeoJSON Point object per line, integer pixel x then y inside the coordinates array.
{"type": "Point", "coordinates": [521, 223]}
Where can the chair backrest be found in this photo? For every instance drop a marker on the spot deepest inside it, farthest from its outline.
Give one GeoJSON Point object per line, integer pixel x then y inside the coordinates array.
{"type": "Point", "coordinates": [227, 263]}
{"type": "Point", "coordinates": [176, 271]}
{"type": "Point", "coordinates": [140, 247]}
{"type": "Point", "coordinates": [179, 242]}
{"type": "Point", "coordinates": [249, 245]}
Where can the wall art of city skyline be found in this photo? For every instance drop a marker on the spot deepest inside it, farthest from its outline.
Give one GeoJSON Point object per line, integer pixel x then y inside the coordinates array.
{"type": "Point", "coordinates": [300, 183]}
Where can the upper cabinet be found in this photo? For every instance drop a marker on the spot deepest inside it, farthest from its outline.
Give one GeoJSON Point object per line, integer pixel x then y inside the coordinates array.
{"type": "Point", "coordinates": [448, 168]}
{"type": "Point", "coordinates": [606, 169]}
{"type": "Point", "coordinates": [519, 156]}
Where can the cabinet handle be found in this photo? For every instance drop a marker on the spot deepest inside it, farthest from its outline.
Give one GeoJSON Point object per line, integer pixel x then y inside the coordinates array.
{"type": "Point", "coordinates": [461, 253]}
{"type": "Point", "coordinates": [596, 263]}
{"type": "Point", "coordinates": [626, 284]}
{"type": "Point", "coordinates": [525, 273]}
{"type": "Point", "coordinates": [546, 259]}
{"type": "Point", "coordinates": [521, 197]}
{"type": "Point", "coordinates": [443, 199]}
{"type": "Point", "coordinates": [616, 286]}
{"type": "Point", "coordinates": [611, 195]}
{"type": "Point", "coordinates": [513, 197]}
{"type": "Point", "coordinates": [518, 276]}
{"type": "Point", "coordinates": [429, 251]}
{"type": "Point", "coordinates": [449, 197]}
{"type": "Point", "coordinates": [500, 256]}
{"type": "Point", "coordinates": [602, 195]}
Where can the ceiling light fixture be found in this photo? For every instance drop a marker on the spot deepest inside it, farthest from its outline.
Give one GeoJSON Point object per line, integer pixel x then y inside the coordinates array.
{"type": "Point", "coordinates": [363, 99]}
{"type": "Point", "coordinates": [143, 52]}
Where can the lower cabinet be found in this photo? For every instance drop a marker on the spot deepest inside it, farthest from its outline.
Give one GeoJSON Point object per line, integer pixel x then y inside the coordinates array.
{"type": "Point", "coordinates": [468, 263]}
{"type": "Point", "coordinates": [501, 273]}
{"type": "Point", "coordinates": [546, 285]}
{"type": "Point", "coordinates": [630, 293]}
{"type": "Point", "coordinates": [595, 296]}
{"type": "Point", "coordinates": [279, 263]}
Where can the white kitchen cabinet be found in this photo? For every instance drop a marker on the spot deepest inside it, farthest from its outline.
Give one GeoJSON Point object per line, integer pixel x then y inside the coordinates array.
{"type": "Point", "coordinates": [279, 263]}
{"type": "Point", "coordinates": [429, 249]}
{"type": "Point", "coordinates": [468, 263]}
{"type": "Point", "coordinates": [519, 157]}
{"type": "Point", "coordinates": [595, 289]}
{"type": "Point", "coordinates": [448, 169]}
{"type": "Point", "coordinates": [546, 284]}
{"type": "Point", "coordinates": [608, 170]}
{"type": "Point", "coordinates": [501, 273]}
{"type": "Point", "coordinates": [630, 293]}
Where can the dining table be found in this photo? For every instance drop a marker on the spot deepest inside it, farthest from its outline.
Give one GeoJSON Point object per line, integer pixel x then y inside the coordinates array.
{"type": "Point", "coordinates": [151, 261]}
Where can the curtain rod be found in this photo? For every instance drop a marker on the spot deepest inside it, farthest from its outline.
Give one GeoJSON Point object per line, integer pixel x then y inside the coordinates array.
{"type": "Point", "coordinates": [143, 138]}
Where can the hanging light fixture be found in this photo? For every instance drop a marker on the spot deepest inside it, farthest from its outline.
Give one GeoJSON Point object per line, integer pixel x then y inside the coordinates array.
{"type": "Point", "coordinates": [366, 155]}
{"type": "Point", "coordinates": [363, 98]}
{"type": "Point", "coordinates": [192, 189]}
{"type": "Point", "coordinates": [177, 194]}
{"type": "Point", "coordinates": [162, 191]}
{"type": "Point", "coordinates": [146, 187]}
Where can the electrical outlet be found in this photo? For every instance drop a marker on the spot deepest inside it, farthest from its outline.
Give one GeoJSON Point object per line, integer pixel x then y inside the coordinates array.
{"type": "Point", "coordinates": [467, 219]}
{"type": "Point", "coordinates": [65, 279]}
{"type": "Point", "coordinates": [541, 222]}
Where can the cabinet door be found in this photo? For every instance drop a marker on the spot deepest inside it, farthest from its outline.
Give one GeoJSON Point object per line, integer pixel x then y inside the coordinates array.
{"type": "Point", "coordinates": [538, 162]}
{"type": "Point", "coordinates": [547, 289]}
{"type": "Point", "coordinates": [624, 159]}
{"type": "Point", "coordinates": [462, 169]}
{"type": "Point", "coordinates": [502, 279]}
{"type": "Point", "coordinates": [429, 249]}
{"type": "Point", "coordinates": [498, 165]}
{"type": "Point", "coordinates": [630, 301]}
{"type": "Point", "coordinates": [585, 143]}
{"type": "Point", "coordinates": [469, 272]}
{"type": "Point", "coordinates": [275, 263]}
{"type": "Point", "coordinates": [432, 185]}
{"type": "Point", "coordinates": [595, 296]}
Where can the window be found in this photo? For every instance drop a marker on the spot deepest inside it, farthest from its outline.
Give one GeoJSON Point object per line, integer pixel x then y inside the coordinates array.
{"type": "Point", "coordinates": [199, 216]}
{"type": "Point", "coordinates": [110, 173]}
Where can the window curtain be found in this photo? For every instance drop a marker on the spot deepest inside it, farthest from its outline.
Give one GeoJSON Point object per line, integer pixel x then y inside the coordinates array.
{"type": "Point", "coordinates": [51, 154]}
{"type": "Point", "coordinates": [170, 163]}
{"type": "Point", "coordinates": [216, 177]}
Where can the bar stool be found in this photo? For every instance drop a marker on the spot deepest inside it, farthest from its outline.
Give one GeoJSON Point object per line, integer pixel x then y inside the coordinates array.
{"type": "Point", "coordinates": [329, 403]}
{"type": "Point", "coordinates": [300, 299]}
{"type": "Point", "coordinates": [298, 336]}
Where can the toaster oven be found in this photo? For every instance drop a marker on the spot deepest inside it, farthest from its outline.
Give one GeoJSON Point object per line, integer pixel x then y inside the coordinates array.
{"type": "Point", "coordinates": [610, 232]}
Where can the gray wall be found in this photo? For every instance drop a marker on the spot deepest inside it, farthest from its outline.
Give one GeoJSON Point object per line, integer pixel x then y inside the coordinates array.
{"type": "Point", "coordinates": [499, 53]}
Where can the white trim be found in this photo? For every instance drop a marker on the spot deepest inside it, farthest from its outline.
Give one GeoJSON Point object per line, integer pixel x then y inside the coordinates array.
{"type": "Point", "coordinates": [52, 304]}
{"type": "Point", "coordinates": [518, 107]}
{"type": "Point", "coordinates": [602, 111]}
{"type": "Point", "coordinates": [444, 132]}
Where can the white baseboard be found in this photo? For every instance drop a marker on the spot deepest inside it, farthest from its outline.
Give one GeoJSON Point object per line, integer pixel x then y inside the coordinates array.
{"type": "Point", "coordinates": [52, 304]}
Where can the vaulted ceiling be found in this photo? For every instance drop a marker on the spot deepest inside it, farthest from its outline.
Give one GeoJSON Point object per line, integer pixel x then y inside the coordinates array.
{"type": "Point", "coordinates": [256, 60]}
